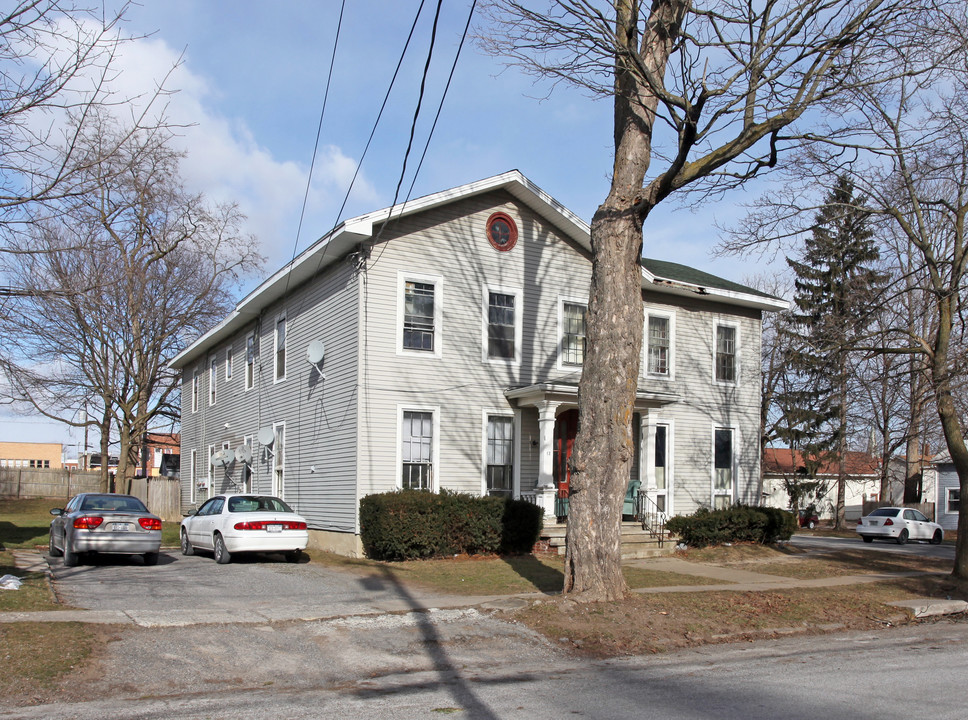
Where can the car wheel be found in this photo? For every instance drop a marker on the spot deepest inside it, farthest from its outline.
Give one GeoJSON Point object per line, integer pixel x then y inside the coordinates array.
{"type": "Point", "coordinates": [811, 524]}
{"type": "Point", "coordinates": [222, 555]}
{"type": "Point", "coordinates": [903, 537]}
{"type": "Point", "coordinates": [151, 558]}
{"type": "Point", "coordinates": [54, 552]}
{"type": "Point", "coordinates": [867, 539]}
{"type": "Point", "coordinates": [293, 555]}
{"type": "Point", "coordinates": [937, 537]}
{"type": "Point", "coordinates": [186, 544]}
{"type": "Point", "coordinates": [71, 558]}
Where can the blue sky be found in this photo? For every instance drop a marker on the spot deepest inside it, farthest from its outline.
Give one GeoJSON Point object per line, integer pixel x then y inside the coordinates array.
{"type": "Point", "coordinates": [250, 90]}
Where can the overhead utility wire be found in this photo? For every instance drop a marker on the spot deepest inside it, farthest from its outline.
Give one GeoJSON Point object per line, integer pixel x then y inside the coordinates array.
{"type": "Point", "coordinates": [319, 132]}
{"type": "Point", "coordinates": [430, 135]}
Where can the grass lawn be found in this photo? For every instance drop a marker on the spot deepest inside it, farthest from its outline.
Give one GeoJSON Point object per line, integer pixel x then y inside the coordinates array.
{"type": "Point", "coordinates": [38, 655]}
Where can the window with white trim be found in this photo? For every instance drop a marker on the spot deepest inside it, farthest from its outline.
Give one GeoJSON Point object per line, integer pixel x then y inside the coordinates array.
{"type": "Point", "coordinates": [722, 468]}
{"type": "Point", "coordinates": [193, 477]}
{"type": "Point", "coordinates": [502, 324]}
{"type": "Point", "coordinates": [573, 333]}
{"type": "Point", "coordinates": [210, 477]}
{"type": "Point", "coordinates": [279, 459]}
{"type": "Point", "coordinates": [419, 313]}
{"type": "Point", "coordinates": [499, 455]}
{"type": "Point", "coordinates": [952, 500]}
{"type": "Point", "coordinates": [250, 355]}
{"type": "Point", "coordinates": [195, 390]}
{"type": "Point", "coordinates": [246, 472]}
{"type": "Point", "coordinates": [417, 449]}
{"type": "Point", "coordinates": [280, 345]}
{"type": "Point", "coordinates": [228, 363]}
{"type": "Point", "coordinates": [658, 345]}
{"type": "Point", "coordinates": [661, 455]}
{"type": "Point", "coordinates": [212, 379]}
{"type": "Point", "coordinates": [725, 354]}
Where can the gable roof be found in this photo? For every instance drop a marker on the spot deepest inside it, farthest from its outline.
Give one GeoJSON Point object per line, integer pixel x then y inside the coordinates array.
{"type": "Point", "coordinates": [660, 276]}
{"type": "Point", "coordinates": [785, 461]}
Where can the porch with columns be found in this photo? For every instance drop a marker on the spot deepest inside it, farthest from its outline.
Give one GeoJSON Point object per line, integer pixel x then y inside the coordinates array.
{"type": "Point", "coordinates": [551, 400]}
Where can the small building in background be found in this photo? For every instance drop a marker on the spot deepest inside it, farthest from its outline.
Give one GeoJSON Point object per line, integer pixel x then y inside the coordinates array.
{"type": "Point", "coordinates": [160, 455]}
{"type": "Point", "coordinates": [31, 455]}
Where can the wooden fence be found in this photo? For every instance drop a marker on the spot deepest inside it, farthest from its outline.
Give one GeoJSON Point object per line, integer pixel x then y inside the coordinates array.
{"type": "Point", "coordinates": [162, 495]}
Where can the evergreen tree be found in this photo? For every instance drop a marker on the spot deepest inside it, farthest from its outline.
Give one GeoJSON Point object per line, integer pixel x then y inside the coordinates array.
{"type": "Point", "coordinates": [837, 284]}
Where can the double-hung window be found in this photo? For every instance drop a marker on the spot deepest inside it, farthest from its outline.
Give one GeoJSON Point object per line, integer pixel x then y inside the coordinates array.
{"type": "Point", "coordinates": [725, 353]}
{"type": "Point", "coordinates": [250, 353]}
{"type": "Point", "coordinates": [419, 314]}
{"type": "Point", "coordinates": [502, 324]}
{"type": "Point", "coordinates": [953, 500]}
{"type": "Point", "coordinates": [499, 455]}
{"type": "Point", "coordinates": [280, 357]}
{"type": "Point", "coordinates": [212, 379]}
{"type": "Point", "coordinates": [572, 333]}
{"type": "Point", "coordinates": [417, 449]}
{"type": "Point", "coordinates": [228, 363]}
{"type": "Point", "coordinates": [195, 390]}
{"type": "Point", "coordinates": [279, 460]}
{"type": "Point", "coordinates": [658, 341]}
{"type": "Point", "coordinates": [722, 468]}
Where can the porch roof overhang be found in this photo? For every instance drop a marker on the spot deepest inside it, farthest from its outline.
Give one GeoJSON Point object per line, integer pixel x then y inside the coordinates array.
{"type": "Point", "coordinates": [567, 393]}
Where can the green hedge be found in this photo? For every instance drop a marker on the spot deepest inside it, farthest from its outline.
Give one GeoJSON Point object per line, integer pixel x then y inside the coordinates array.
{"type": "Point", "coordinates": [413, 524]}
{"type": "Point", "coordinates": [738, 523]}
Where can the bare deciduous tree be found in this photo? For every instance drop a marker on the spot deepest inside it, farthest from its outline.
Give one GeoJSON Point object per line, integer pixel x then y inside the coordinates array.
{"type": "Point", "coordinates": [116, 283]}
{"type": "Point", "coordinates": [709, 92]}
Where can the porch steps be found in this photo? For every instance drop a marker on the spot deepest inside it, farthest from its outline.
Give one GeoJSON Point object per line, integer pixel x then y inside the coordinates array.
{"type": "Point", "coordinates": [636, 542]}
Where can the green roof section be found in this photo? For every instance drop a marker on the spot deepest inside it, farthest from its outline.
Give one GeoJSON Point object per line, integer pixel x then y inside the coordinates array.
{"type": "Point", "coordinates": [683, 273]}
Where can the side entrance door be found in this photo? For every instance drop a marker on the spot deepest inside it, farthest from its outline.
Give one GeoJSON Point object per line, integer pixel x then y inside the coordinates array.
{"type": "Point", "coordinates": [566, 427]}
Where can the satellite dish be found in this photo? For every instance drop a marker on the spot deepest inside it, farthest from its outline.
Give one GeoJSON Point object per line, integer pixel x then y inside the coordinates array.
{"type": "Point", "coordinates": [229, 456]}
{"type": "Point", "coordinates": [244, 454]}
{"type": "Point", "coordinates": [316, 352]}
{"type": "Point", "coordinates": [266, 436]}
{"type": "Point", "coordinates": [218, 457]}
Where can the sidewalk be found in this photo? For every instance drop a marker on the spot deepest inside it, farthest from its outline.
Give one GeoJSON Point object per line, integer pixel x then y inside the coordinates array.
{"type": "Point", "coordinates": [730, 579]}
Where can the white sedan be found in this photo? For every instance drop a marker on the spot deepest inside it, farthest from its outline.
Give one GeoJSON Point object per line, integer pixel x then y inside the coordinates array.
{"type": "Point", "coordinates": [899, 524]}
{"type": "Point", "coordinates": [230, 524]}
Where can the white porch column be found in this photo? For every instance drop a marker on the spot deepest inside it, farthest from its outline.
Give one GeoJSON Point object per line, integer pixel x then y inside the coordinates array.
{"type": "Point", "coordinates": [546, 444]}
{"type": "Point", "coordinates": [647, 453]}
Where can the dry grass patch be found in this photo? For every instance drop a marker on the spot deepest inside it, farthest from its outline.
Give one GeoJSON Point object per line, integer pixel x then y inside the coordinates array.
{"type": "Point", "coordinates": [34, 594]}
{"type": "Point", "coordinates": [24, 524]}
{"type": "Point", "coordinates": [847, 562]}
{"type": "Point", "coordinates": [740, 553]}
{"type": "Point", "coordinates": [646, 623]}
{"type": "Point", "coordinates": [35, 656]}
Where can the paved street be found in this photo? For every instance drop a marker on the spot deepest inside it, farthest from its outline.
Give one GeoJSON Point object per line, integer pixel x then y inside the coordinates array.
{"type": "Point", "coordinates": [923, 549]}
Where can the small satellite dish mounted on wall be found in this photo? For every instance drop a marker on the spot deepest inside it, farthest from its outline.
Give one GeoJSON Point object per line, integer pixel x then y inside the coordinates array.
{"type": "Point", "coordinates": [315, 354]}
{"type": "Point", "coordinates": [243, 454]}
{"type": "Point", "coordinates": [266, 437]}
{"type": "Point", "coordinates": [223, 457]}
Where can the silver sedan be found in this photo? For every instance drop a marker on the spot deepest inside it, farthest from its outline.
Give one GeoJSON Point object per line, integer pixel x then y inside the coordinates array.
{"type": "Point", "coordinates": [104, 523]}
{"type": "Point", "coordinates": [899, 524]}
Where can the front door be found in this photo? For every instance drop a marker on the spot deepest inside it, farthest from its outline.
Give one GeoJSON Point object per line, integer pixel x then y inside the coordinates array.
{"type": "Point", "coordinates": [566, 427]}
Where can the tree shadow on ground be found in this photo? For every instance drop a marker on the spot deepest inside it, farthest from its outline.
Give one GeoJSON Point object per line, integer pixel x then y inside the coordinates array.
{"type": "Point", "coordinates": [544, 577]}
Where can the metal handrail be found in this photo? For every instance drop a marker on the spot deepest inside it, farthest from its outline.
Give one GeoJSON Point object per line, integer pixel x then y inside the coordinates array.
{"type": "Point", "coordinates": [652, 518]}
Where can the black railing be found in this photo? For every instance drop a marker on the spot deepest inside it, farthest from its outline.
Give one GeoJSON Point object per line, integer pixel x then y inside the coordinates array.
{"type": "Point", "coordinates": [652, 518]}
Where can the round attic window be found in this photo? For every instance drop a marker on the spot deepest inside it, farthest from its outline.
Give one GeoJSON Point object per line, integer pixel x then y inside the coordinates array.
{"type": "Point", "coordinates": [502, 233]}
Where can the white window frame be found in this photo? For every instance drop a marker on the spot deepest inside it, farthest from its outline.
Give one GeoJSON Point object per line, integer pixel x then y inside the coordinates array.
{"type": "Point", "coordinates": [438, 282]}
{"type": "Point", "coordinates": [278, 458]}
{"type": "Point", "coordinates": [212, 379]}
{"type": "Point", "coordinates": [515, 416]}
{"type": "Point", "coordinates": [560, 339]}
{"type": "Point", "coordinates": [734, 465]}
{"type": "Point", "coordinates": [193, 476]}
{"type": "Point", "coordinates": [211, 470]}
{"type": "Point", "coordinates": [736, 355]}
{"type": "Point", "coordinates": [671, 317]}
{"type": "Point", "coordinates": [518, 296]}
{"type": "Point", "coordinates": [248, 469]}
{"type": "Point", "coordinates": [280, 318]}
{"type": "Point", "coordinates": [434, 450]}
{"type": "Point", "coordinates": [250, 362]}
{"type": "Point", "coordinates": [229, 357]}
{"type": "Point", "coordinates": [194, 390]}
{"type": "Point", "coordinates": [947, 500]}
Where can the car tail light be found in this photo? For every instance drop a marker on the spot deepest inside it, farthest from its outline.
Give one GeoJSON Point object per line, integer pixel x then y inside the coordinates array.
{"type": "Point", "coordinates": [889, 522]}
{"type": "Point", "coordinates": [150, 523]}
{"type": "Point", "coordinates": [87, 522]}
{"type": "Point", "coordinates": [261, 524]}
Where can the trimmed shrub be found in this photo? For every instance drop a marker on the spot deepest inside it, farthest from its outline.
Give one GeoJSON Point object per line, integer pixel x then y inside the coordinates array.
{"type": "Point", "coordinates": [737, 523]}
{"type": "Point", "coordinates": [414, 524]}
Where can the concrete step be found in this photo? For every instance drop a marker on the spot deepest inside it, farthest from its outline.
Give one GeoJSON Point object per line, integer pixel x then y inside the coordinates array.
{"type": "Point", "coordinates": [635, 542]}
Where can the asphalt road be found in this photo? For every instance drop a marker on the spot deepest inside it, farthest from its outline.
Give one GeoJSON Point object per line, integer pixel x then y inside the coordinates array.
{"type": "Point", "coordinates": [467, 666]}
{"type": "Point", "coordinates": [918, 548]}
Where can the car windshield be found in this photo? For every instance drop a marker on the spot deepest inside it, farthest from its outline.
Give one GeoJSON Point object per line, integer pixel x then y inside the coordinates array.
{"type": "Point", "coordinates": [122, 503]}
{"type": "Point", "coordinates": [885, 512]}
{"type": "Point", "coordinates": [257, 503]}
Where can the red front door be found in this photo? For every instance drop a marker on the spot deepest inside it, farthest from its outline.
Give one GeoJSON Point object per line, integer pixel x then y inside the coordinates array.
{"type": "Point", "coordinates": [566, 427]}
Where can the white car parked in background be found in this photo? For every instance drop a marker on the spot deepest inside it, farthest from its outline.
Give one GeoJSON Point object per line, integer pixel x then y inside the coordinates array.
{"type": "Point", "coordinates": [899, 524]}
{"type": "Point", "coordinates": [230, 524]}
